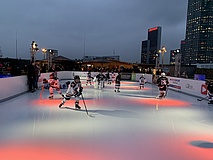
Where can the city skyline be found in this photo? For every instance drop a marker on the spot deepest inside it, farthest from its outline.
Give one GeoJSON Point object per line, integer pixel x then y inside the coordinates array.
{"type": "Point", "coordinates": [94, 28]}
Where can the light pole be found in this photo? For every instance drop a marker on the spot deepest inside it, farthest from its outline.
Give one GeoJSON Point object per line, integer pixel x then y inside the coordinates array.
{"type": "Point", "coordinates": [50, 55]}
{"type": "Point", "coordinates": [177, 63]}
{"type": "Point", "coordinates": [34, 48]}
{"type": "Point", "coordinates": [1, 55]}
{"type": "Point", "coordinates": [162, 51]}
{"type": "Point", "coordinates": [44, 51]}
{"type": "Point", "coordinates": [157, 61]}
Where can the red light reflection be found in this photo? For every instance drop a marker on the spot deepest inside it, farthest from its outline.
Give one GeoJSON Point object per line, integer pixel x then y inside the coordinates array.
{"type": "Point", "coordinates": [162, 146]}
{"type": "Point", "coordinates": [56, 102]}
{"type": "Point", "coordinates": [134, 88]}
{"type": "Point", "coordinates": [160, 102]}
{"type": "Point", "coordinates": [125, 82]}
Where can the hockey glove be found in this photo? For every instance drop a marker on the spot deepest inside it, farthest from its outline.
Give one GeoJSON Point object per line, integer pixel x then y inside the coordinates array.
{"type": "Point", "coordinates": [81, 90]}
{"type": "Point", "coordinates": [79, 93]}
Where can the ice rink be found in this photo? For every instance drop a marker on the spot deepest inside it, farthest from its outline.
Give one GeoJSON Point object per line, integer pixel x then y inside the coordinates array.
{"type": "Point", "coordinates": [130, 125]}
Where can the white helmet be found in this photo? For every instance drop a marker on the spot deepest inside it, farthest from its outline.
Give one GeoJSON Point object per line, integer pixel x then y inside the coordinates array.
{"type": "Point", "coordinates": [163, 74]}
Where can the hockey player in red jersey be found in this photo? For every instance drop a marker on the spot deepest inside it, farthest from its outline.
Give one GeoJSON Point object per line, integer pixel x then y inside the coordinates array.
{"type": "Point", "coordinates": [53, 84]}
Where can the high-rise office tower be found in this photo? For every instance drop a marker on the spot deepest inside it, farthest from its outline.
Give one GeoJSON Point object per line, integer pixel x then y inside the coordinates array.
{"type": "Point", "coordinates": [199, 32]}
{"type": "Point", "coordinates": [150, 47]}
{"type": "Point", "coordinates": [144, 51]}
{"type": "Point", "coordinates": [182, 50]}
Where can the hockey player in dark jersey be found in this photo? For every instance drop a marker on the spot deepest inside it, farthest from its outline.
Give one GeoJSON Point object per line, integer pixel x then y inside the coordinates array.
{"type": "Point", "coordinates": [210, 92]}
{"type": "Point", "coordinates": [74, 89]}
{"type": "Point", "coordinates": [142, 81]}
{"type": "Point", "coordinates": [108, 78]}
{"type": "Point", "coordinates": [117, 82]}
{"type": "Point", "coordinates": [101, 78]}
{"type": "Point", "coordinates": [162, 83]}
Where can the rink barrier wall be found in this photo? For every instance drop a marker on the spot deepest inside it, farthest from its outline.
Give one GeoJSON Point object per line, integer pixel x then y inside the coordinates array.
{"type": "Point", "coordinates": [14, 86]}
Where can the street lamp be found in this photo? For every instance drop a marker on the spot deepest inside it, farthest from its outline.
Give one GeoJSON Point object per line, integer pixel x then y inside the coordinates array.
{"type": "Point", "coordinates": [33, 50]}
{"type": "Point", "coordinates": [156, 61]}
{"type": "Point", "coordinates": [48, 54]}
{"type": "Point", "coordinates": [162, 50]}
{"type": "Point", "coordinates": [44, 51]}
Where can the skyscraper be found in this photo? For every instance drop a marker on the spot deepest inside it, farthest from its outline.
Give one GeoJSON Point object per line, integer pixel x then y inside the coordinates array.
{"type": "Point", "coordinates": [144, 51]}
{"type": "Point", "coordinates": [151, 46]}
{"type": "Point", "coordinates": [199, 32]}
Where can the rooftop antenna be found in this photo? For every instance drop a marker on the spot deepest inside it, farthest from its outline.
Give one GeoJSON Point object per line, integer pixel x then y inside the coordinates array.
{"type": "Point", "coordinates": [16, 45]}
{"type": "Point", "coordinates": [1, 55]}
{"type": "Point", "coordinates": [84, 47]}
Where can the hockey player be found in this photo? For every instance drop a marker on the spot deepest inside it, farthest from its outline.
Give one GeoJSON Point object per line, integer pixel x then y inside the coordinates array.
{"type": "Point", "coordinates": [162, 83]}
{"type": "Point", "coordinates": [53, 84]}
{"type": "Point", "coordinates": [142, 81]}
{"type": "Point", "coordinates": [74, 89]}
{"type": "Point", "coordinates": [108, 78]}
{"type": "Point", "coordinates": [117, 82]}
{"type": "Point", "coordinates": [113, 76]}
{"type": "Point", "coordinates": [89, 78]}
{"type": "Point", "coordinates": [101, 78]}
{"type": "Point", "coordinates": [210, 92]}
{"type": "Point", "coordinates": [45, 85]}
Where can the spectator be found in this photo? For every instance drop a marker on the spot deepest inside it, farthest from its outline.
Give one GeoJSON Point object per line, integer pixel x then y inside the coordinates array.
{"type": "Point", "coordinates": [43, 68]}
{"type": "Point", "coordinates": [31, 76]}
{"type": "Point", "coordinates": [52, 68]}
{"type": "Point", "coordinates": [184, 75]}
{"type": "Point", "coordinates": [37, 75]}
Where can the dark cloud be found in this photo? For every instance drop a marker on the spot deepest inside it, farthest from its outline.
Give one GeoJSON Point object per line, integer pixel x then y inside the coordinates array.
{"type": "Point", "coordinates": [103, 26]}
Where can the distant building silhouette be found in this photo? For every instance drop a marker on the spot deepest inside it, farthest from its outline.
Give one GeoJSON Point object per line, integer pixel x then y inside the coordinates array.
{"type": "Point", "coordinates": [150, 47]}
{"type": "Point", "coordinates": [199, 33]}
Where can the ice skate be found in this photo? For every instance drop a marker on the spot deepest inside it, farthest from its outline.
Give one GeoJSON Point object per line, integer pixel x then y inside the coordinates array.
{"type": "Point", "coordinates": [210, 102]}
{"type": "Point", "coordinates": [159, 96]}
{"type": "Point", "coordinates": [62, 103]}
{"type": "Point", "coordinates": [51, 97]}
{"type": "Point", "coordinates": [77, 105]}
{"type": "Point", "coordinates": [162, 96]}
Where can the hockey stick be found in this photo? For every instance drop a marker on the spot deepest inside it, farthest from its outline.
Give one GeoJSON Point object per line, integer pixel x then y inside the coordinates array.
{"type": "Point", "coordinates": [200, 99]}
{"type": "Point", "coordinates": [41, 94]}
{"type": "Point", "coordinates": [84, 104]}
{"type": "Point", "coordinates": [166, 91]}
